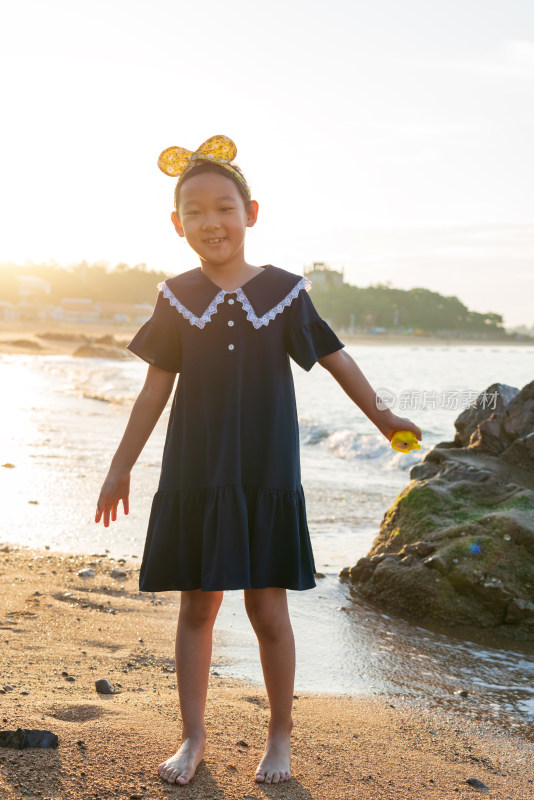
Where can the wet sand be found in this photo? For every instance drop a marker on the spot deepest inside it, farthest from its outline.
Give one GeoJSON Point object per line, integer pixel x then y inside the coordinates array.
{"type": "Point", "coordinates": [25, 337]}
{"type": "Point", "coordinates": [56, 625]}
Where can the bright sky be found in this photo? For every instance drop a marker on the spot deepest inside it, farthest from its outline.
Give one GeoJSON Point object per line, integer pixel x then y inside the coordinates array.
{"type": "Point", "coordinates": [391, 138]}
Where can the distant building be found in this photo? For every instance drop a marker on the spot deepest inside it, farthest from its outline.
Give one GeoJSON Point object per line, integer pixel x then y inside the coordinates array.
{"type": "Point", "coordinates": [125, 313]}
{"type": "Point", "coordinates": [76, 309]}
{"type": "Point", "coordinates": [8, 312]}
{"type": "Point", "coordinates": [323, 277]}
{"type": "Point", "coordinates": [31, 286]}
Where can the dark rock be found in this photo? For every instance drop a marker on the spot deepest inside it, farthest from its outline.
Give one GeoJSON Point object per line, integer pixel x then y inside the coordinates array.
{"type": "Point", "coordinates": [521, 452]}
{"type": "Point", "coordinates": [423, 470]}
{"type": "Point", "coordinates": [23, 738]}
{"type": "Point", "coordinates": [462, 693]}
{"type": "Point", "coordinates": [362, 570]}
{"type": "Point", "coordinates": [105, 338]}
{"type": "Point", "coordinates": [103, 686]}
{"type": "Point", "coordinates": [437, 562]}
{"type": "Point", "coordinates": [95, 351]}
{"type": "Point", "coordinates": [86, 573]}
{"type": "Point", "coordinates": [30, 344]}
{"type": "Point", "coordinates": [520, 611]}
{"type": "Point", "coordinates": [242, 743]}
{"type": "Point", "coordinates": [488, 436]}
{"type": "Point", "coordinates": [519, 413]}
{"type": "Point", "coordinates": [476, 784]}
{"type": "Point", "coordinates": [118, 573]}
{"type": "Point", "coordinates": [489, 402]}
{"type": "Point", "coordinates": [420, 549]}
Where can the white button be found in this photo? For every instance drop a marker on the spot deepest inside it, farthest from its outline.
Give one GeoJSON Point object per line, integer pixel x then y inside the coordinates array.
{"type": "Point", "coordinates": [231, 301]}
{"type": "Point", "coordinates": [230, 322]}
{"type": "Point", "coordinates": [230, 347]}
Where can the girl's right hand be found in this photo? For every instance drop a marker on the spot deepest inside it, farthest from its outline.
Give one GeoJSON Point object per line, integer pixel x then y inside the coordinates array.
{"type": "Point", "coordinates": [115, 488]}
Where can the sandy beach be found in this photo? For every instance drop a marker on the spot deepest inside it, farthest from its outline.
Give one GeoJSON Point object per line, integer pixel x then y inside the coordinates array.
{"type": "Point", "coordinates": [64, 338]}
{"type": "Point", "coordinates": [62, 632]}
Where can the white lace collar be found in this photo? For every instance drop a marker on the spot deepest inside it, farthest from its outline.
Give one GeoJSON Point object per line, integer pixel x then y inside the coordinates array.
{"type": "Point", "coordinates": [257, 322]}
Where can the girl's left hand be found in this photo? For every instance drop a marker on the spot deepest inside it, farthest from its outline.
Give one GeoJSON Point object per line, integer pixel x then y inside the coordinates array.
{"type": "Point", "coordinates": [393, 423]}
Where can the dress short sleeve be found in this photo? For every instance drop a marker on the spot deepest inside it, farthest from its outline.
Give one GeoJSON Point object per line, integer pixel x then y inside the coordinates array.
{"type": "Point", "coordinates": [158, 341]}
{"type": "Point", "coordinates": [307, 336]}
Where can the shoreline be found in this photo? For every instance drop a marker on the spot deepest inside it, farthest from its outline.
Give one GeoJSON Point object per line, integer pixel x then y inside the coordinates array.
{"type": "Point", "coordinates": [70, 337]}
{"type": "Point", "coordinates": [344, 747]}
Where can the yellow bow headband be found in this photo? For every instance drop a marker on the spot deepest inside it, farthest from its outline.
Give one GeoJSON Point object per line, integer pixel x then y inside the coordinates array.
{"type": "Point", "coordinates": [176, 161]}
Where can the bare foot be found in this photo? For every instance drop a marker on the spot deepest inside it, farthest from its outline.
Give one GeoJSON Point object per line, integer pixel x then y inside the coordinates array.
{"type": "Point", "coordinates": [181, 767]}
{"type": "Point", "coordinates": [275, 764]}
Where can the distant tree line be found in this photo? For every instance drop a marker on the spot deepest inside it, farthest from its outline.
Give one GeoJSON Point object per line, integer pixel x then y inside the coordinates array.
{"type": "Point", "coordinates": [346, 307]}
{"type": "Point", "coordinates": [99, 281]}
{"type": "Point", "coordinates": [381, 306]}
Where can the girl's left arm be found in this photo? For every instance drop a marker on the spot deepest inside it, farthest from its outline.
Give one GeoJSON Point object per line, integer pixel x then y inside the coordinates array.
{"type": "Point", "coordinates": [350, 377]}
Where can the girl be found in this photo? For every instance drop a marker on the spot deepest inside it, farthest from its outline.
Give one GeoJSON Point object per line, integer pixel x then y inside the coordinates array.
{"type": "Point", "coordinates": [229, 512]}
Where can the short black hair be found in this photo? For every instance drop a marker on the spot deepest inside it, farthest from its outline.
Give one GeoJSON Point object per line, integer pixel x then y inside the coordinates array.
{"type": "Point", "coordinates": [209, 166]}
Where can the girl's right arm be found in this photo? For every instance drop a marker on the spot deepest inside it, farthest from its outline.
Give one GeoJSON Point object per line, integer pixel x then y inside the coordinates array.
{"type": "Point", "coordinates": [145, 413]}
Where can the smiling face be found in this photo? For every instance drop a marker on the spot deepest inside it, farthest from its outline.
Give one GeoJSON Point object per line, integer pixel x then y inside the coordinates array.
{"type": "Point", "coordinates": [213, 218]}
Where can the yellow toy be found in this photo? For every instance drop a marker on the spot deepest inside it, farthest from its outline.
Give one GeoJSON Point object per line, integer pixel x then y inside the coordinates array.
{"type": "Point", "coordinates": [404, 441]}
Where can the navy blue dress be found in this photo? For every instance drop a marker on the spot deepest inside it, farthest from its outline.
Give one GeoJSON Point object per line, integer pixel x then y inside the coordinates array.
{"type": "Point", "coordinates": [229, 512]}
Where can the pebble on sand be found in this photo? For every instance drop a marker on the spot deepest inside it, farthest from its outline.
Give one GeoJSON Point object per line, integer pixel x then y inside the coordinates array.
{"type": "Point", "coordinates": [118, 573]}
{"type": "Point", "coordinates": [86, 573]}
{"type": "Point", "coordinates": [103, 686]}
{"type": "Point", "coordinates": [476, 784]}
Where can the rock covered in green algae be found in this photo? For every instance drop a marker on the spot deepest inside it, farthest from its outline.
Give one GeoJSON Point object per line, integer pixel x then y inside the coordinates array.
{"type": "Point", "coordinates": [457, 546]}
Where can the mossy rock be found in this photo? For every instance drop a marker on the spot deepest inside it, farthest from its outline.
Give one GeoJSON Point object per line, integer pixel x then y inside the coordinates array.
{"type": "Point", "coordinates": [457, 545]}
{"type": "Point", "coordinates": [416, 513]}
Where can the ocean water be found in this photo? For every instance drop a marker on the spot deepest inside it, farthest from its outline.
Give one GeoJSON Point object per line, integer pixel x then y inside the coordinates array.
{"type": "Point", "coordinates": [62, 419]}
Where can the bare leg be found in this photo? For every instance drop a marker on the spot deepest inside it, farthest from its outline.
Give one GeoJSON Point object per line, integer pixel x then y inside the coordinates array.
{"type": "Point", "coordinates": [198, 611]}
{"type": "Point", "coordinates": [269, 615]}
